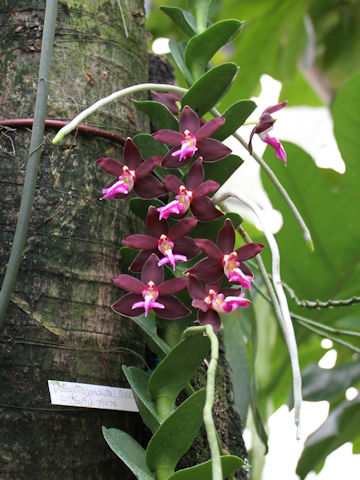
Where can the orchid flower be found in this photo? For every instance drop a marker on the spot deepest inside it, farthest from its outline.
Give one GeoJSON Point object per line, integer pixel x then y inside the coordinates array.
{"type": "Point", "coordinates": [133, 174]}
{"type": "Point", "coordinates": [151, 292]}
{"type": "Point", "coordinates": [192, 139]}
{"type": "Point", "coordinates": [192, 195]}
{"type": "Point", "coordinates": [223, 259]}
{"type": "Point", "coordinates": [173, 244]}
{"type": "Point", "coordinates": [171, 100]}
{"type": "Point", "coordinates": [266, 123]}
{"type": "Point", "coordinates": [210, 301]}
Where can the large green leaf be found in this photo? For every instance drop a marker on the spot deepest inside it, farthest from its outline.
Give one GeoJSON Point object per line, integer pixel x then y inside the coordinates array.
{"type": "Point", "coordinates": [175, 436]}
{"type": "Point", "coordinates": [342, 425]}
{"type": "Point", "coordinates": [202, 47]}
{"type": "Point", "coordinates": [159, 114]}
{"type": "Point", "coordinates": [178, 367]}
{"type": "Point", "coordinates": [130, 452]}
{"type": "Point", "coordinates": [235, 117]}
{"type": "Point", "coordinates": [208, 90]}
{"type": "Point", "coordinates": [148, 146]}
{"type": "Point", "coordinates": [177, 50]}
{"type": "Point", "coordinates": [229, 464]}
{"type": "Point", "coordinates": [182, 18]}
{"type": "Point", "coordinates": [139, 381]}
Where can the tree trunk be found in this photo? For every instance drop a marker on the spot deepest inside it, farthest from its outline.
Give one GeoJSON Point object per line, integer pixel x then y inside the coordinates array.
{"type": "Point", "coordinates": [59, 324]}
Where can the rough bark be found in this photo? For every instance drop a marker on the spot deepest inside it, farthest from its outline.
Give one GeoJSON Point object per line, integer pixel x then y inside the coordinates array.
{"type": "Point", "coordinates": [59, 324]}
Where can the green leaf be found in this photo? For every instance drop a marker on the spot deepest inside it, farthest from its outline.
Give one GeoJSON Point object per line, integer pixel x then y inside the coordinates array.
{"type": "Point", "coordinates": [175, 436]}
{"type": "Point", "coordinates": [342, 425]}
{"type": "Point", "coordinates": [148, 146]}
{"type": "Point", "coordinates": [128, 255]}
{"type": "Point", "coordinates": [321, 384]}
{"type": "Point", "coordinates": [235, 116]}
{"type": "Point", "coordinates": [210, 229]}
{"type": "Point", "coordinates": [229, 165]}
{"type": "Point", "coordinates": [139, 380]}
{"type": "Point", "coordinates": [178, 367]}
{"type": "Point", "coordinates": [229, 464]}
{"type": "Point", "coordinates": [177, 51]}
{"type": "Point", "coordinates": [182, 18]}
{"type": "Point", "coordinates": [237, 357]}
{"type": "Point", "coordinates": [148, 327]}
{"type": "Point", "coordinates": [202, 47]}
{"type": "Point", "coordinates": [208, 90]}
{"type": "Point", "coordinates": [140, 206]}
{"type": "Point", "coordinates": [129, 451]}
{"type": "Point", "coordinates": [159, 114]}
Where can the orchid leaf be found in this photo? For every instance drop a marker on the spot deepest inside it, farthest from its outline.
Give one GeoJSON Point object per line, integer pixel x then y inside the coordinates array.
{"type": "Point", "coordinates": [208, 90]}
{"type": "Point", "coordinates": [128, 255]}
{"type": "Point", "coordinates": [235, 116]}
{"type": "Point", "coordinates": [148, 327]}
{"type": "Point", "coordinates": [140, 206]}
{"type": "Point", "coordinates": [159, 114]}
{"type": "Point", "coordinates": [177, 50]}
{"type": "Point", "coordinates": [182, 18]}
{"type": "Point", "coordinates": [139, 380]}
{"type": "Point", "coordinates": [165, 449]}
{"type": "Point", "coordinates": [202, 47]}
{"type": "Point", "coordinates": [342, 425]}
{"type": "Point", "coordinates": [229, 165]}
{"type": "Point", "coordinates": [168, 379]}
{"type": "Point", "coordinates": [148, 146]}
{"type": "Point", "coordinates": [129, 451]}
{"type": "Point", "coordinates": [229, 464]}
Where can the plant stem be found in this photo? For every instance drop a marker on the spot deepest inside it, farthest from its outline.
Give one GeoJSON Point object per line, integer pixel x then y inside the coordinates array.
{"type": "Point", "coordinates": [32, 167]}
{"type": "Point", "coordinates": [201, 14]}
{"type": "Point", "coordinates": [277, 185]}
{"type": "Point", "coordinates": [210, 397]}
{"type": "Point", "coordinates": [111, 98]}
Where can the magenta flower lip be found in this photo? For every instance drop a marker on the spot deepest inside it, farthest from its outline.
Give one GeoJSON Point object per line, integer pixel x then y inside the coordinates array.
{"type": "Point", "coordinates": [140, 179]}
{"type": "Point", "coordinates": [151, 292]}
{"type": "Point", "coordinates": [155, 241]}
{"type": "Point", "coordinates": [192, 139]}
{"type": "Point", "coordinates": [264, 126]}
{"type": "Point", "coordinates": [222, 259]}
{"type": "Point", "coordinates": [196, 190]}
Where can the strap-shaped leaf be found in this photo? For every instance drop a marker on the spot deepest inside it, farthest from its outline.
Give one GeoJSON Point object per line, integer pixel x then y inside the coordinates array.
{"type": "Point", "coordinates": [228, 165]}
{"type": "Point", "coordinates": [201, 48]}
{"type": "Point", "coordinates": [175, 436]}
{"type": "Point", "coordinates": [229, 464]}
{"type": "Point", "coordinates": [178, 367]}
{"type": "Point", "coordinates": [148, 327]}
{"type": "Point", "coordinates": [177, 51]}
{"type": "Point", "coordinates": [130, 452]}
{"type": "Point", "coordinates": [208, 90]}
{"type": "Point", "coordinates": [235, 117]}
{"type": "Point", "coordinates": [139, 380]}
{"type": "Point", "coordinates": [182, 18]}
{"type": "Point", "coordinates": [159, 114]}
{"type": "Point", "coordinates": [148, 146]}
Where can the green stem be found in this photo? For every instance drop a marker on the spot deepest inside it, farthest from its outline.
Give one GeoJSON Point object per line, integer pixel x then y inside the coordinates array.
{"type": "Point", "coordinates": [111, 98]}
{"type": "Point", "coordinates": [164, 407]}
{"type": "Point", "coordinates": [201, 14]}
{"type": "Point", "coordinates": [210, 398]}
{"type": "Point", "coordinates": [277, 185]}
{"type": "Point", "coordinates": [35, 150]}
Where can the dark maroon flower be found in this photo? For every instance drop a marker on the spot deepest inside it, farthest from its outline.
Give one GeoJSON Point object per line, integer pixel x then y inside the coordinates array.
{"type": "Point", "coordinates": [192, 195]}
{"type": "Point", "coordinates": [151, 292]}
{"type": "Point", "coordinates": [210, 301]}
{"type": "Point", "coordinates": [133, 174]}
{"type": "Point", "coordinates": [173, 243]}
{"type": "Point", "coordinates": [170, 100]}
{"type": "Point", "coordinates": [222, 259]}
{"type": "Point", "coordinates": [264, 126]}
{"type": "Point", "coordinates": [192, 139]}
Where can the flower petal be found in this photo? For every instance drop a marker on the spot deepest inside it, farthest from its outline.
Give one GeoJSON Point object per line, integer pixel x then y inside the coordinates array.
{"type": "Point", "coordinates": [249, 250]}
{"type": "Point", "coordinates": [182, 228]}
{"type": "Point", "coordinates": [146, 167]}
{"type": "Point", "coordinates": [140, 259]}
{"type": "Point", "coordinates": [204, 209]}
{"type": "Point", "coordinates": [207, 270]}
{"type": "Point", "coordinates": [276, 144]}
{"type": "Point", "coordinates": [189, 120]}
{"type": "Point", "coordinates": [155, 226]}
{"type": "Point", "coordinates": [174, 308]}
{"type": "Point", "coordinates": [195, 176]}
{"type": "Point", "coordinates": [174, 285]}
{"type": "Point", "coordinates": [169, 161]}
{"type": "Point", "coordinates": [226, 237]}
{"type": "Point", "coordinates": [151, 272]}
{"type": "Point", "coordinates": [111, 165]}
{"type": "Point", "coordinates": [275, 108]}
{"type": "Point", "coordinates": [125, 303]}
{"type": "Point", "coordinates": [210, 318]}
{"type": "Point", "coordinates": [149, 187]}
{"type": "Point", "coordinates": [211, 150]}
{"type": "Point", "coordinates": [132, 157]}
{"type": "Point", "coordinates": [206, 188]}
{"type": "Point", "coordinates": [129, 283]}
{"type": "Point", "coordinates": [172, 183]}
{"type": "Point", "coordinates": [167, 99]}
{"type": "Point", "coordinates": [209, 248]}
{"type": "Point", "coordinates": [200, 304]}
{"type": "Point", "coordinates": [169, 137]}
{"type": "Point", "coordinates": [140, 241]}
{"type": "Point", "coordinates": [186, 245]}
{"type": "Point", "coordinates": [196, 290]}
{"type": "Point", "coordinates": [209, 128]}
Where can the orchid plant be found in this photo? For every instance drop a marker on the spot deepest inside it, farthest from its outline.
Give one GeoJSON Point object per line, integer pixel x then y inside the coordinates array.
{"type": "Point", "coordinates": [190, 267]}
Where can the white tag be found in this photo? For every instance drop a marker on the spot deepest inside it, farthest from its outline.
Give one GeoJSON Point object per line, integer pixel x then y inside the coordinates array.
{"type": "Point", "coordinates": [91, 396]}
